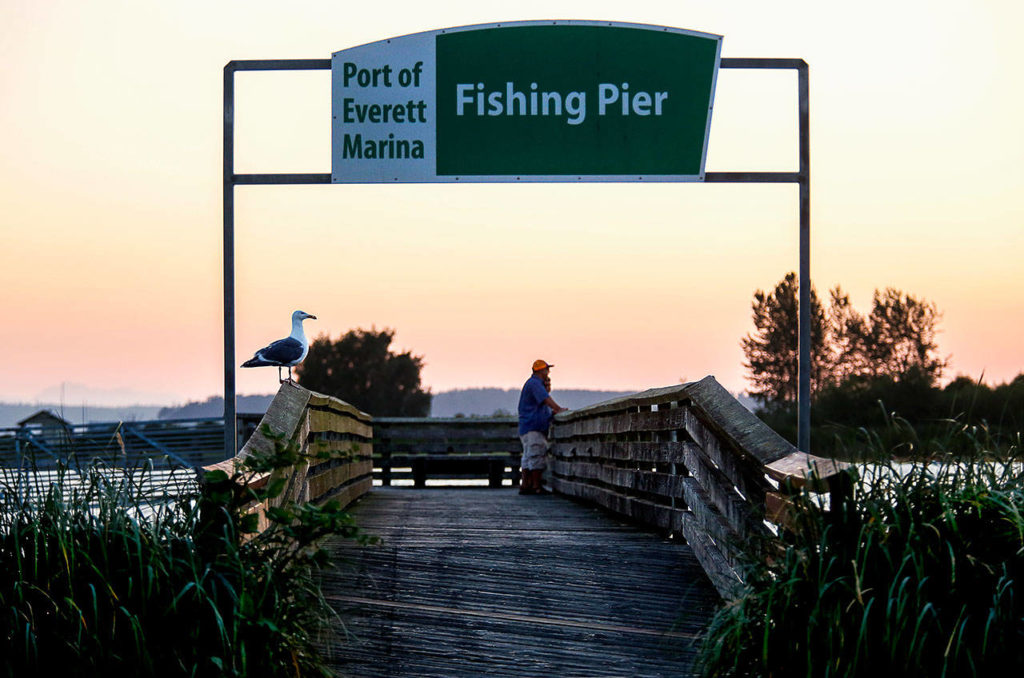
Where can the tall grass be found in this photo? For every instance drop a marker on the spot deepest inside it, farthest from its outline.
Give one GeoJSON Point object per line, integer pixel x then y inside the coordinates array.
{"type": "Point", "coordinates": [106, 573]}
{"type": "Point", "coordinates": [918, 571]}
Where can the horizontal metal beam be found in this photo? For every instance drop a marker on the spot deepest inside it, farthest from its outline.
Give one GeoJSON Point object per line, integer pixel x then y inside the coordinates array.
{"type": "Point", "coordinates": [325, 64]}
{"type": "Point", "coordinates": [271, 179]}
{"type": "Point", "coordinates": [756, 62]}
{"type": "Point", "coordinates": [752, 177]}
{"type": "Point", "coordinates": [709, 178]}
{"type": "Point", "coordinates": [278, 65]}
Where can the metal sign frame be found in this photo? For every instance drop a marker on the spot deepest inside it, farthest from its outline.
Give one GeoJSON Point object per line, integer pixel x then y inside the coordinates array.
{"type": "Point", "coordinates": [802, 177]}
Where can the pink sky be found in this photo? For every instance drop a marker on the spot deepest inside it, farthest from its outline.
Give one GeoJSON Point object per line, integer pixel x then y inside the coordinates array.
{"type": "Point", "coordinates": [110, 186]}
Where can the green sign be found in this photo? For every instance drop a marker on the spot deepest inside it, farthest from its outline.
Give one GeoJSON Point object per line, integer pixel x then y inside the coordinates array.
{"type": "Point", "coordinates": [528, 101]}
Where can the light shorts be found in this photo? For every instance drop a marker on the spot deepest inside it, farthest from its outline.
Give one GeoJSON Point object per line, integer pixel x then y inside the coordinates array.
{"type": "Point", "coordinates": [535, 451]}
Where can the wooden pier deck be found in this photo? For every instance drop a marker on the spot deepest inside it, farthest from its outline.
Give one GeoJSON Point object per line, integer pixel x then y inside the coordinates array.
{"type": "Point", "coordinates": [473, 582]}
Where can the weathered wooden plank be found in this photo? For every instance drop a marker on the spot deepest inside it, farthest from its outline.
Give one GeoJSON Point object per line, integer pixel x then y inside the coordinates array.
{"type": "Point", "coordinates": [347, 494]}
{"type": "Point", "coordinates": [473, 582]}
{"type": "Point", "coordinates": [401, 461]}
{"type": "Point", "coordinates": [622, 500]}
{"type": "Point", "coordinates": [482, 422]}
{"type": "Point", "coordinates": [317, 424]}
{"type": "Point", "coordinates": [227, 466]}
{"type": "Point", "coordinates": [708, 516]}
{"type": "Point", "coordinates": [780, 510]}
{"type": "Point", "coordinates": [716, 566]}
{"type": "Point", "coordinates": [670, 452]}
{"type": "Point", "coordinates": [742, 515]}
{"type": "Point", "coordinates": [629, 480]}
{"type": "Point", "coordinates": [321, 483]}
{"type": "Point", "coordinates": [284, 417]}
{"type": "Point", "coordinates": [748, 478]}
{"type": "Point", "coordinates": [429, 429]}
{"type": "Point", "coordinates": [455, 447]}
{"type": "Point", "coordinates": [651, 397]}
{"type": "Point", "coordinates": [720, 410]}
{"type": "Point", "coordinates": [621, 422]}
{"type": "Point", "coordinates": [322, 466]}
{"type": "Point", "coordinates": [296, 484]}
{"type": "Point", "coordinates": [320, 401]}
{"type": "Point", "coordinates": [646, 512]}
{"type": "Point", "coordinates": [340, 449]}
{"type": "Point", "coordinates": [799, 468]}
{"type": "Point", "coordinates": [321, 421]}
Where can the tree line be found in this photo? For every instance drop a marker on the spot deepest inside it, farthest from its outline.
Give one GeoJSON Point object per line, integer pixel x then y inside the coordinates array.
{"type": "Point", "coordinates": [867, 370]}
{"type": "Point", "coordinates": [361, 369]}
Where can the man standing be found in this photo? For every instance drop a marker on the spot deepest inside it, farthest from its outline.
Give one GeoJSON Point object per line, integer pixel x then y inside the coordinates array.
{"type": "Point", "coordinates": [536, 408]}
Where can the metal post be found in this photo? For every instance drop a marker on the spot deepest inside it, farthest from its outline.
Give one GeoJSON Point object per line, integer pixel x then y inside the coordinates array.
{"type": "Point", "coordinates": [230, 435]}
{"type": "Point", "coordinates": [803, 419]}
{"type": "Point", "coordinates": [803, 179]}
{"type": "Point", "coordinates": [230, 181]}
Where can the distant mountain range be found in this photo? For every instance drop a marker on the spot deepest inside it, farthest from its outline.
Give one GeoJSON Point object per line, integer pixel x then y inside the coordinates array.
{"type": "Point", "coordinates": [477, 402]}
{"type": "Point", "coordinates": [214, 407]}
{"type": "Point", "coordinates": [468, 402]}
{"type": "Point", "coordinates": [12, 413]}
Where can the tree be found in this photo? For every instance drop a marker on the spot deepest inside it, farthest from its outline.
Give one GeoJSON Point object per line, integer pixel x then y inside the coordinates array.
{"type": "Point", "coordinates": [901, 336]}
{"type": "Point", "coordinates": [772, 350]}
{"type": "Point", "coordinates": [896, 341]}
{"type": "Point", "coordinates": [360, 369]}
{"type": "Point", "coordinates": [848, 338]}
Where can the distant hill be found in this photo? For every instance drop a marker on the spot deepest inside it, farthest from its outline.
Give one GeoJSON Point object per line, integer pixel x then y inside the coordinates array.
{"type": "Point", "coordinates": [214, 407]}
{"type": "Point", "coordinates": [12, 413]}
{"type": "Point", "coordinates": [469, 402]}
{"type": "Point", "coordinates": [478, 402]}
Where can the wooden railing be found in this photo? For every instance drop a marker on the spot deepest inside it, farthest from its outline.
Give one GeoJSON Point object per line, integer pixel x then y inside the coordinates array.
{"type": "Point", "coordinates": [318, 425]}
{"type": "Point", "coordinates": [444, 449]}
{"type": "Point", "coordinates": [688, 459]}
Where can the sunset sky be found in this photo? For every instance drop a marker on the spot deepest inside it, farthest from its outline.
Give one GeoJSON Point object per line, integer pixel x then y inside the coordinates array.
{"type": "Point", "coordinates": [110, 188]}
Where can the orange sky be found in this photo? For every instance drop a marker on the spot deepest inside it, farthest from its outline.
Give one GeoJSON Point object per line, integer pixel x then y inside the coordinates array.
{"type": "Point", "coordinates": [110, 244]}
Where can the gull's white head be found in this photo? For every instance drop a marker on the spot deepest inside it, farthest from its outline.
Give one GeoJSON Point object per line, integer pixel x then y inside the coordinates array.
{"type": "Point", "coordinates": [299, 316]}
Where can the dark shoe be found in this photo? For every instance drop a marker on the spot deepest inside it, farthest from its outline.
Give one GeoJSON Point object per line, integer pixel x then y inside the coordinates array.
{"type": "Point", "coordinates": [537, 482]}
{"type": "Point", "coordinates": [525, 484]}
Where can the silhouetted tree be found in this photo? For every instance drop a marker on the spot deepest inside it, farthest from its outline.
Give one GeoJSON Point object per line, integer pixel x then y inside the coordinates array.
{"type": "Point", "coordinates": [848, 339]}
{"type": "Point", "coordinates": [1001, 407]}
{"type": "Point", "coordinates": [896, 341]}
{"type": "Point", "coordinates": [901, 337]}
{"type": "Point", "coordinates": [772, 349]}
{"type": "Point", "coordinates": [360, 369]}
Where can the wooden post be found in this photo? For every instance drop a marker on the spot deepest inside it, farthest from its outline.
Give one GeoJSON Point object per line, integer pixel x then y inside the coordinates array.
{"type": "Point", "coordinates": [495, 472]}
{"type": "Point", "coordinates": [419, 472]}
{"type": "Point", "coordinates": [385, 465]}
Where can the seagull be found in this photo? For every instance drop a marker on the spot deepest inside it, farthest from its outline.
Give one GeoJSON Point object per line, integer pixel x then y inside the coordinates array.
{"type": "Point", "coordinates": [284, 352]}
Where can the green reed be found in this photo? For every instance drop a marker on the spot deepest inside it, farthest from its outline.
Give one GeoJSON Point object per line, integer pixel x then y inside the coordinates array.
{"type": "Point", "coordinates": [118, 572]}
{"type": "Point", "coordinates": [918, 571]}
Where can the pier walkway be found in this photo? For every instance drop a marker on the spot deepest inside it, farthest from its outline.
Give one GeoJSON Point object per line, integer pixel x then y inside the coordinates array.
{"type": "Point", "coordinates": [476, 581]}
{"type": "Point", "coordinates": [658, 498]}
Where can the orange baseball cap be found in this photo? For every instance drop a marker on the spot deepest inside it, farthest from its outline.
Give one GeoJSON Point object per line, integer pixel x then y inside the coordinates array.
{"type": "Point", "coordinates": [540, 365]}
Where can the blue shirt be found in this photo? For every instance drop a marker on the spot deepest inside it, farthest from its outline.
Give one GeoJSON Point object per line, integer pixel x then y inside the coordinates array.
{"type": "Point", "coordinates": [534, 415]}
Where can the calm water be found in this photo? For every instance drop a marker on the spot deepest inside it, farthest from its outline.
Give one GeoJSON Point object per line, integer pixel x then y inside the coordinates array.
{"type": "Point", "coordinates": [147, 489]}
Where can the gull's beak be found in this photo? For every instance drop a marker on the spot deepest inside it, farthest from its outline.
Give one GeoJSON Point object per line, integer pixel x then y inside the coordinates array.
{"type": "Point", "coordinates": [310, 316]}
